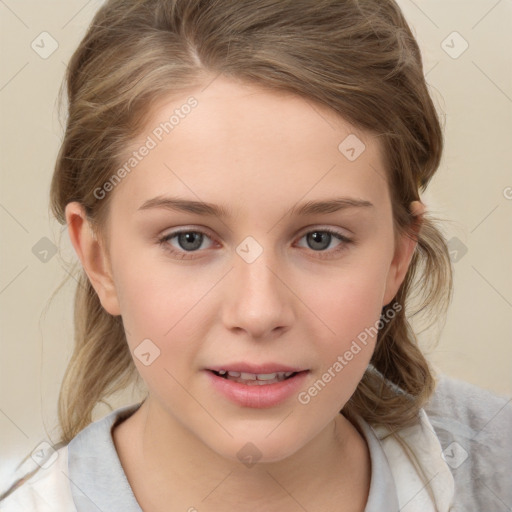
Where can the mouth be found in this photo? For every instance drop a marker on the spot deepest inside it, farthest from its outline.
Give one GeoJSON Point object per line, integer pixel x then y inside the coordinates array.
{"type": "Point", "coordinates": [256, 379]}
{"type": "Point", "coordinates": [257, 386]}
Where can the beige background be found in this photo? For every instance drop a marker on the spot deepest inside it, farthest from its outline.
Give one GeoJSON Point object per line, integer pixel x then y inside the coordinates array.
{"type": "Point", "coordinates": [473, 189]}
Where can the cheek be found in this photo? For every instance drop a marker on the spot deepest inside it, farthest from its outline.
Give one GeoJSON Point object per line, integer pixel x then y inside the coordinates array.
{"type": "Point", "coordinates": [348, 301]}
{"type": "Point", "coordinates": [158, 297]}
{"type": "Point", "coordinates": [160, 315]}
{"type": "Point", "coordinates": [350, 309]}
{"type": "Point", "coordinates": [170, 306]}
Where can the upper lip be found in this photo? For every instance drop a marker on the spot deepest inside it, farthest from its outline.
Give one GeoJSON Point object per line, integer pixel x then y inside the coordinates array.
{"type": "Point", "coordinates": [259, 369]}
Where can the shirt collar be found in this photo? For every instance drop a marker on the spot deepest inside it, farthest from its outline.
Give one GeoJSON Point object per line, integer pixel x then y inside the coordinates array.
{"type": "Point", "coordinates": [423, 479]}
{"type": "Point", "coordinates": [383, 493]}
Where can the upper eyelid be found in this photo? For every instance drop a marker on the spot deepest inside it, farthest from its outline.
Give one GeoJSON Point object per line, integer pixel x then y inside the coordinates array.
{"type": "Point", "coordinates": [307, 229]}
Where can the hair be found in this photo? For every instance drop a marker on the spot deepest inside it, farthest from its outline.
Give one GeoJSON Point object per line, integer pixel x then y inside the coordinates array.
{"type": "Point", "coordinates": [357, 57]}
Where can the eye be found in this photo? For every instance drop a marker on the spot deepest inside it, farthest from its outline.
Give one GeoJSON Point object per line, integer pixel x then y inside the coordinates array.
{"type": "Point", "coordinates": [190, 241]}
{"type": "Point", "coordinates": [320, 239]}
{"type": "Point", "coordinates": [187, 241]}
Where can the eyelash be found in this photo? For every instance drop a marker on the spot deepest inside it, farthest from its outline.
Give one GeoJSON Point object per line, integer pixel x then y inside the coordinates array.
{"type": "Point", "coordinates": [184, 254]}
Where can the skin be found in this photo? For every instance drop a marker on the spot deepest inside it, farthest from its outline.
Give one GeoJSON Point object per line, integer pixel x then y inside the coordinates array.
{"type": "Point", "coordinates": [257, 153]}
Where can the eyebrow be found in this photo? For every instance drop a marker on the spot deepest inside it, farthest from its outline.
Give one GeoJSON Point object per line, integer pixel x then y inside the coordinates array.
{"type": "Point", "coordinates": [208, 209]}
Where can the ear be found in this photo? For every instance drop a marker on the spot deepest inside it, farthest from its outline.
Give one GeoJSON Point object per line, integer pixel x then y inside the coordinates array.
{"type": "Point", "coordinates": [403, 255]}
{"type": "Point", "coordinates": [93, 256]}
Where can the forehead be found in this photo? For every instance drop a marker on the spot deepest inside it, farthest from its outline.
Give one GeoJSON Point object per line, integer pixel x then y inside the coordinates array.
{"type": "Point", "coordinates": [246, 146]}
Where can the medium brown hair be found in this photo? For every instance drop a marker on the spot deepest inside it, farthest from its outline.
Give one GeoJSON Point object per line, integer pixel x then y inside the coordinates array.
{"type": "Point", "coordinates": [357, 57]}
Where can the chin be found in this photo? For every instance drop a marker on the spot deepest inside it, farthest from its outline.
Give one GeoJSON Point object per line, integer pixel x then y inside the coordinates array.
{"type": "Point", "coordinates": [258, 448]}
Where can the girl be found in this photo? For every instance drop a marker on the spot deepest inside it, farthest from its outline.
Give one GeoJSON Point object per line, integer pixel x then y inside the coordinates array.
{"type": "Point", "coordinates": [241, 181]}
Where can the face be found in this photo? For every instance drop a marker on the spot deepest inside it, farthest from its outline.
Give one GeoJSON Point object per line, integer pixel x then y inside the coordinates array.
{"type": "Point", "coordinates": [261, 281]}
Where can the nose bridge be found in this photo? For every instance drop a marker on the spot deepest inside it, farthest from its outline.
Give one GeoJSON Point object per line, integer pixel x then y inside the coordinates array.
{"type": "Point", "coordinates": [258, 300]}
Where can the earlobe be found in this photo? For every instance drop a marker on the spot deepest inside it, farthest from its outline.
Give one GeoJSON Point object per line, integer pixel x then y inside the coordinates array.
{"type": "Point", "coordinates": [403, 255]}
{"type": "Point", "coordinates": [93, 256]}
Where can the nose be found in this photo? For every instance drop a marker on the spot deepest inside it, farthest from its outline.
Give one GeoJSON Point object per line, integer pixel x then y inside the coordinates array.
{"type": "Point", "coordinates": [258, 299]}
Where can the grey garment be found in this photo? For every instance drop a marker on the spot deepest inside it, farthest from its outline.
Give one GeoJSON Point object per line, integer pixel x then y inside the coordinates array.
{"type": "Point", "coordinates": [98, 481]}
{"type": "Point", "coordinates": [474, 427]}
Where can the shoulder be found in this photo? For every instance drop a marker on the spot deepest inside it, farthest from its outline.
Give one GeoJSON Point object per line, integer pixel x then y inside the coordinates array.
{"type": "Point", "coordinates": [74, 475]}
{"type": "Point", "coordinates": [47, 490]}
{"type": "Point", "coordinates": [474, 427]}
{"type": "Point", "coordinates": [470, 412]}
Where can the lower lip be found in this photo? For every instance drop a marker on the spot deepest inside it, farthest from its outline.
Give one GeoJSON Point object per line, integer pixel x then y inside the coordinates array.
{"type": "Point", "coordinates": [256, 396]}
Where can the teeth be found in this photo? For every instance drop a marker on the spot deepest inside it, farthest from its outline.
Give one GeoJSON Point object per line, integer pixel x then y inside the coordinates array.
{"type": "Point", "coordinates": [266, 376]}
{"type": "Point", "coordinates": [255, 378]}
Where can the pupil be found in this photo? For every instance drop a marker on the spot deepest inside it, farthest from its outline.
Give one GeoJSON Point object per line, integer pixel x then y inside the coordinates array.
{"type": "Point", "coordinates": [319, 237]}
{"type": "Point", "coordinates": [190, 237]}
